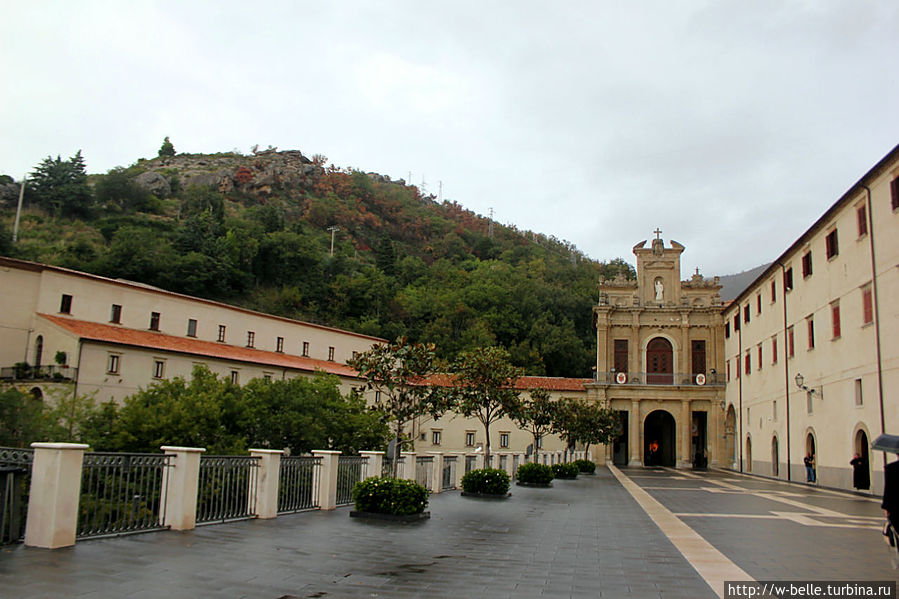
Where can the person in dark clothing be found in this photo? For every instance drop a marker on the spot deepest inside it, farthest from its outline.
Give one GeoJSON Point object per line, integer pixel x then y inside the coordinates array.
{"type": "Point", "coordinates": [890, 502]}
{"type": "Point", "coordinates": [809, 461]}
{"type": "Point", "coordinates": [861, 480]}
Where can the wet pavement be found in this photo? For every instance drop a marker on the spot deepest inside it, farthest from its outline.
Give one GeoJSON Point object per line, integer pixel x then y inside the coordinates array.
{"type": "Point", "coordinates": [583, 538]}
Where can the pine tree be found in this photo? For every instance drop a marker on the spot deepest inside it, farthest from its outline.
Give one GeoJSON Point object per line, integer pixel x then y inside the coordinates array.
{"type": "Point", "coordinates": [167, 149]}
{"type": "Point", "coordinates": [60, 186]}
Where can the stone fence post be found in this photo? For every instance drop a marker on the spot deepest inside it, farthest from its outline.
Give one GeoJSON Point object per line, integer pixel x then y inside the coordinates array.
{"type": "Point", "coordinates": [411, 464]}
{"type": "Point", "coordinates": [460, 469]}
{"type": "Point", "coordinates": [264, 482]}
{"type": "Point", "coordinates": [327, 479]}
{"type": "Point", "coordinates": [180, 482]}
{"type": "Point", "coordinates": [54, 495]}
{"type": "Point", "coordinates": [437, 472]}
{"type": "Point", "coordinates": [374, 464]}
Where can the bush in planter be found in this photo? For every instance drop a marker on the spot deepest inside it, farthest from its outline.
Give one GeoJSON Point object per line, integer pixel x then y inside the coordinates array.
{"type": "Point", "coordinates": [534, 474]}
{"type": "Point", "coordinates": [586, 466]}
{"type": "Point", "coordinates": [569, 470]}
{"type": "Point", "coordinates": [487, 481]}
{"type": "Point", "coordinates": [385, 495]}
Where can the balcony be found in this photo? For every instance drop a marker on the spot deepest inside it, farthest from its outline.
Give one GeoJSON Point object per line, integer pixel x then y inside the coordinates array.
{"type": "Point", "coordinates": [24, 372]}
{"type": "Point", "coordinates": [666, 379]}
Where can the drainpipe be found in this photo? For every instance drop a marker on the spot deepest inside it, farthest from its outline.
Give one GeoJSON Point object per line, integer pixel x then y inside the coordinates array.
{"type": "Point", "coordinates": [876, 314]}
{"type": "Point", "coordinates": [786, 359]}
{"type": "Point", "coordinates": [739, 373]}
{"type": "Point", "coordinates": [78, 376]}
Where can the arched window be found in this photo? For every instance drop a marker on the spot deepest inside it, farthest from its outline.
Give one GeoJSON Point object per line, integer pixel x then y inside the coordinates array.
{"type": "Point", "coordinates": [659, 362]}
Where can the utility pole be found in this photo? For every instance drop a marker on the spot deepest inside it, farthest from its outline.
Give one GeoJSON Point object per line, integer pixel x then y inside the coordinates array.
{"type": "Point", "coordinates": [333, 229]}
{"type": "Point", "coordinates": [15, 229]}
{"type": "Point", "coordinates": [440, 191]}
{"type": "Point", "coordinates": [490, 225]}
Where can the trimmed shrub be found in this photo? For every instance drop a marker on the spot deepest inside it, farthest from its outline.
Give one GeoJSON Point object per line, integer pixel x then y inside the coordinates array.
{"type": "Point", "coordinates": [385, 495]}
{"type": "Point", "coordinates": [586, 466]}
{"type": "Point", "coordinates": [535, 474]}
{"type": "Point", "coordinates": [488, 481]}
{"type": "Point", "coordinates": [569, 470]}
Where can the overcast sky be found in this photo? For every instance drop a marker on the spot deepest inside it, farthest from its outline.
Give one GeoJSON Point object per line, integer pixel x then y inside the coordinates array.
{"type": "Point", "coordinates": [731, 125]}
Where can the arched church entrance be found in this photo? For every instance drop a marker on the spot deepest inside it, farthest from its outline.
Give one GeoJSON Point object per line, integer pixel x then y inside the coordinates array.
{"type": "Point", "coordinates": [659, 438]}
{"type": "Point", "coordinates": [730, 438]}
{"type": "Point", "coordinates": [775, 457]}
{"type": "Point", "coordinates": [748, 456]}
{"type": "Point", "coordinates": [861, 470]}
{"type": "Point", "coordinates": [659, 362]}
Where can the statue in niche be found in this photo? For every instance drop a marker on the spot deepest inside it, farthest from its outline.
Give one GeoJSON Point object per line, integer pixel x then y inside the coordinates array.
{"type": "Point", "coordinates": [660, 290]}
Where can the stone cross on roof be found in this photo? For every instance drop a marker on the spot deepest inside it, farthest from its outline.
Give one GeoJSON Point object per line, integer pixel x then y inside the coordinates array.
{"type": "Point", "coordinates": [658, 233]}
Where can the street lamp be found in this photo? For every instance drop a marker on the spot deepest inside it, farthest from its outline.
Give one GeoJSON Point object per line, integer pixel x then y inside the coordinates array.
{"type": "Point", "coordinates": [800, 382]}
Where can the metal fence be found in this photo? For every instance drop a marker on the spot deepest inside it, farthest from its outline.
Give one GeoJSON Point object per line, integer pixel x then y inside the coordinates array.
{"type": "Point", "coordinates": [224, 489]}
{"type": "Point", "coordinates": [424, 471]}
{"type": "Point", "coordinates": [448, 481]}
{"type": "Point", "coordinates": [387, 466]}
{"type": "Point", "coordinates": [15, 478]}
{"type": "Point", "coordinates": [121, 493]}
{"type": "Point", "coordinates": [297, 487]}
{"type": "Point", "coordinates": [471, 462]}
{"type": "Point", "coordinates": [31, 373]}
{"type": "Point", "coordinates": [349, 472]}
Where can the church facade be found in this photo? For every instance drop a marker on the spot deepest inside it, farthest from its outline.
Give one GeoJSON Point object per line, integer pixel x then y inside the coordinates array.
{"type": "Point", "coordinates": [659, 356]}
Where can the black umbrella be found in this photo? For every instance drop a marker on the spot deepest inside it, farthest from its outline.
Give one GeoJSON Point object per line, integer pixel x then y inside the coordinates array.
{"type": "Point", "coordinates": [886, 442]}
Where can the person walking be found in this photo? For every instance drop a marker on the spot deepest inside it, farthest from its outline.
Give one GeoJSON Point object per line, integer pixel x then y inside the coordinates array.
{"type": "Point", "coordinates": [861, 480]}
{"type": "Point", "coordinates": [809, 462]}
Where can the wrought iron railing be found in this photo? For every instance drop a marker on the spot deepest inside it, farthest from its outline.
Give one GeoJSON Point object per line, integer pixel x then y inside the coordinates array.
{"type": "Point", "coordinates": [424, 471]}
{"type": "Point", "coordinates": [15, 478]}
{"type": "Point", "coordinates": [121, 493]}
{"type": "Point", "coordinates": [349, 472]}
{"type": "Point", "coordinates": [448, 480]}
{"type": "Point", "coordinates": [53, 373]}
{"type": "Point", "coordinates": [387, 466]}
{"type": "Point", "coordinates": [297, 487]}
{"type": "Point", "coordinates": [471, 463]}
{"type": "Point", "coordinates": [225, 491]}
{"type": "Point", "coordinates": [660, 378]}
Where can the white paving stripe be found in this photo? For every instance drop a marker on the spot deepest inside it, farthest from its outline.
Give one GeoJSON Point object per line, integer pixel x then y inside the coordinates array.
{"type": "Point", "coordinates": [711, 564]}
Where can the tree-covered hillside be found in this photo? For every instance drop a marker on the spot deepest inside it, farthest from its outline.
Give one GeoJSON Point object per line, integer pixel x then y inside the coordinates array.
{"type": "Point", "coordinates": [255, 230]}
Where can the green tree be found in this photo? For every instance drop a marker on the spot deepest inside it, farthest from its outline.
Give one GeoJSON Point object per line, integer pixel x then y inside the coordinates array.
{"type": "Point", "coordinates": [397, 372]}
{"type": "Point", "coordinates": [310, 413]}
{"type": "Point", "coordinates": [60, 187]}
{"type": "Point", "coordinates": [167, 150]}
{"type": "Point", "coordinates": [116, 189]}
{"type": "Point", "coordinates": [484, 387]}
{"type": "Point", "coordinates": [536, 415]}
{"type": "Point", "coordinates": [22, 418]}
{"type": "Point", "coordinates": [588, 423]}
{"type": "Point", "coordinates": [204, 412]}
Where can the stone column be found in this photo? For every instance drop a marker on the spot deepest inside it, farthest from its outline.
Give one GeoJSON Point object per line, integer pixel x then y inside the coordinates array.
{"type": "Point", "coordinates": [327, 480]}
{"type": "Point", "coordinates": [437, 472]}
{"type": "Point", "coordinates": [374, 464]}
{"type": "Point", "coordinates": [635, 435]}
{"type": "Point", "coordinates": [54, 495]}
{"type": "Point", "coordinates": [685, 459]}
{"type": "Point", "coordinates": [180, 482]}
{"type": "Point", "coordinates": [264, 482]}
{"type": "Point", "coordinates": [411, 465]}
{"type": "Point", "coordinates": [713, 436]}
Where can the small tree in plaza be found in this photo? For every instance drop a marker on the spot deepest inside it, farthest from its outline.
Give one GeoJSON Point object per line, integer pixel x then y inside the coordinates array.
{"type": "Point", "coordinates": [536, 415]}
{"type": "Point", "coordinates": [588, 423]}
{"type": "Point", "coordinates": [397, 372]}
{"type": "Point", "coordinates": [484, 387]}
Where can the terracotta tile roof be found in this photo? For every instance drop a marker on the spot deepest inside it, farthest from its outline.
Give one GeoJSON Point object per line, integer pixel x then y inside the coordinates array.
{"type": "Point", "coordinates": [39, 267]}
{"type": "Point", "coordinates": [550, 383]}
{"type": "Point", "coordinates": [105, 333]}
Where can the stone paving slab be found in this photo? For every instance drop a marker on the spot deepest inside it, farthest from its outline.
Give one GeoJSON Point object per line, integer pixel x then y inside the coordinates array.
{"type": "Point", "coordinates": [581, 538]}
{"type": "Point", "coordinates": [818, 535]}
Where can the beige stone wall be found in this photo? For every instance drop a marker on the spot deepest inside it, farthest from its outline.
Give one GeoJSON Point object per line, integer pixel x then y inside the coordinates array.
{"type": "Point", "coordinates": [841, 370]}
{"type": "Point", "coordinates": [19, 290]}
